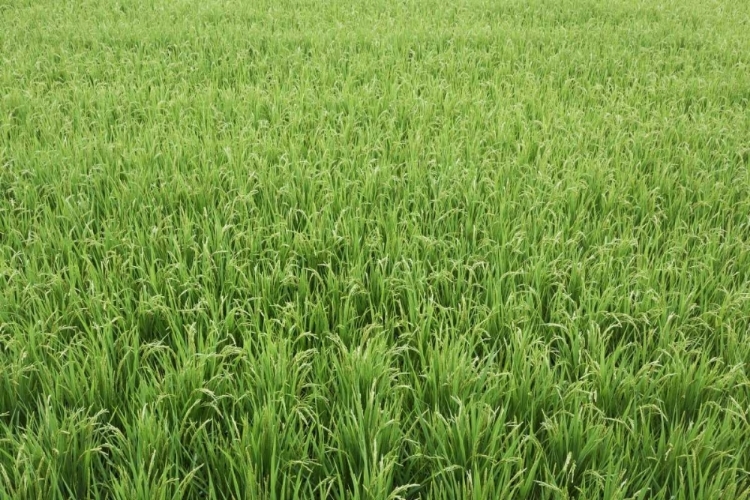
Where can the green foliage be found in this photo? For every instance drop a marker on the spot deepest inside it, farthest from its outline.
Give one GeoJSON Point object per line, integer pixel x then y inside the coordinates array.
{"type": "Point", "coordinates": [374, 250]}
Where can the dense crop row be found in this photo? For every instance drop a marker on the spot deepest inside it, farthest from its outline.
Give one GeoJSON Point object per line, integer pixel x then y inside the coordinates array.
{"type": "Point", "coordinates": [374, 249]}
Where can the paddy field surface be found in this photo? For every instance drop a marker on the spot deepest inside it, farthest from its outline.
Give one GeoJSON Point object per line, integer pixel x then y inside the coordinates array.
{"type": "Point", "coordinates": [375, 249]}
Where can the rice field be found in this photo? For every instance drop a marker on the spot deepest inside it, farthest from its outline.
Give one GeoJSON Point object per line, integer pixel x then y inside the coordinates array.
{"type": "Point", "coordinates": [479, 249]}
